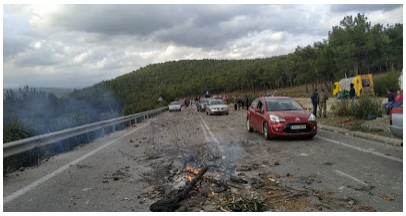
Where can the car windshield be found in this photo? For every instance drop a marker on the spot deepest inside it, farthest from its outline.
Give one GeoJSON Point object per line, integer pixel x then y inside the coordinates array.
{"type": "Point", "coordinates": [216, 102]}
{"type": "Point", "coordinates": [175, 103]}
{"type": "Point", "coordinates": [283, 105]}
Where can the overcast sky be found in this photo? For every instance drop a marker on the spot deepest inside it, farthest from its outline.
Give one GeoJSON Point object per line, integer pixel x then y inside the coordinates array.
{"type": "Point", "coordinates": [76, 46]}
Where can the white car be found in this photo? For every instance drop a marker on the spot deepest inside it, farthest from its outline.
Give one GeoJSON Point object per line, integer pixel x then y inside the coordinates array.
{"type": "Point", "coordinates": [174, 106]}
{"type": "Point", "coordinates": [216, 107]}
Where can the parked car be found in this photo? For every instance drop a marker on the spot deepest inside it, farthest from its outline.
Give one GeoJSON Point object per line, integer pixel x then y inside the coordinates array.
{"type": "Point", "coordinates": [201, 104]}
{"type": "Point", "coordinates": [174, 106]}
{"type": "Point", "coordinates": [280, 117]}
{"type": "Point", "coordinates": [396, 121]}
{"type": "Point", "coordinates": [216, 107]}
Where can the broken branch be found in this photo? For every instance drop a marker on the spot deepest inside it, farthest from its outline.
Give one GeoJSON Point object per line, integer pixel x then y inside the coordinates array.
{"type": "Point", "coordinates": [173, 204]}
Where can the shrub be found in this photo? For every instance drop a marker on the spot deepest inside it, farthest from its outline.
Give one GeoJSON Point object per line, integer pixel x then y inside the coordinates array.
{"type": "Point", "coordinates": [366, 105]}
{"type": "Point", "coordinates": [341, 107]}
{"type": "Point", "coordinates": [382, 84]}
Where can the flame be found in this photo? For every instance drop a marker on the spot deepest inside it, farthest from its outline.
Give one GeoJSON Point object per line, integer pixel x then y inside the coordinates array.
{"type": "Point", "coordinates": [191, 169]}
{"type": "Point", "coordinates": [189, 177]}
{"type": "Point", "coordinates": [218, 175]}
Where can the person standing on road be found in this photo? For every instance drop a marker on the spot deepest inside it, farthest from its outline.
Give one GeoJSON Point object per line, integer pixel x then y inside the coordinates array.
{"type": "Point", "coordinates": [207, 95]}
{"type": "Point", "coordinates": [235, 102]}
{"type": "Point", "coordinates": [352, 92]}
{"type": "Point", "coordinates": [322, 102]}
{"type": "Point", "coordinates": [314, 101]}
{"type": "Point", "coordinates": [246, 101]}
{"type": "Point", "coordinates": [242, 102]}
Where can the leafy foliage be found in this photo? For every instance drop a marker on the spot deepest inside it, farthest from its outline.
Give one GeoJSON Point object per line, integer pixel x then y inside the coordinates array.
{"type": "Point", "coordinates": [359, 108]}
{"type": "Point", "coordinates": [367, 105]}
{"type": "Point", "coordinates": [383, 84]}
{"type": "Point", "coordinates": [341, 107]}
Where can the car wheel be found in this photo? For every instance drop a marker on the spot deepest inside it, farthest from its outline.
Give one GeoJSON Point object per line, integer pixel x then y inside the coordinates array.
{"type": "Point", "coordinates": [209, 112]}
{"type": "Point", "coordinates": [266, 131]}
{"type": "Point", "coordinates": [226, 113]}
{"type": "Point", "coordinates": [249, 128]}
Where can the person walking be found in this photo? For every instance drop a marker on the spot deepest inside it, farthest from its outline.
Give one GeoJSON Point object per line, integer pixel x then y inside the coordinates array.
{"type": "Point", "coordinates": [235, 102]}
{"type": "Point", "coordinates": [314, 101]}
{"type": "Point", "coordinates": [322, 102]}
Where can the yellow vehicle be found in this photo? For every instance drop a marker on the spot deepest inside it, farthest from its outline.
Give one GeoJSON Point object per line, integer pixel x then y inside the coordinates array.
{"type": "Point", "coordinates": [363, 84]}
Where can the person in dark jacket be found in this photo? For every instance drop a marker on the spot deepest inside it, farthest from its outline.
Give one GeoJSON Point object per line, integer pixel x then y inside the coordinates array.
{"type": "Point", "coordinates": [391, 101]}
{"type": "Point", "coordinates": [246, 101]}
{"type": "Point", "coordinates": [352, 92]}
{"type": "Point", "coordinates": [314, 101]}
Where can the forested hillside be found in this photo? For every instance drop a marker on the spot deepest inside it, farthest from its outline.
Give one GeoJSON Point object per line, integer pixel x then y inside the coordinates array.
{"type": "Point", "coordinates": [352, 47]}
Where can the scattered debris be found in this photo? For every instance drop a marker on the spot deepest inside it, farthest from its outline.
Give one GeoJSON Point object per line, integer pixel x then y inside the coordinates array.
{"type": "Point", "coordinates": [241, 203]}
{"type": "Point", "coordinates": [172, 205]}
{"type": "Point", "coordinates": [387, 198]}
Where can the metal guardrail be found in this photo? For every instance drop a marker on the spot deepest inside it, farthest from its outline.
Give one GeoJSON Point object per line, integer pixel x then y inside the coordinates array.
{"type": "Point", "coordinates": [19, 146]}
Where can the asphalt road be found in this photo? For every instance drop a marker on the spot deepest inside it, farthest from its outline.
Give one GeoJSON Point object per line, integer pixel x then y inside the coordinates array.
{"type": "Point", "coordinates": [120, 172]}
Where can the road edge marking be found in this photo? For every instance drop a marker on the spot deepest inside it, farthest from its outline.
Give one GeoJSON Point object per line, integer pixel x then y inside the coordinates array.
{"type": "Point", "coordinates": [40, 181]}
{"type": "Point", "coordinates": [363, 150]}
{"type": "Point", "coordinates": [348, 176]}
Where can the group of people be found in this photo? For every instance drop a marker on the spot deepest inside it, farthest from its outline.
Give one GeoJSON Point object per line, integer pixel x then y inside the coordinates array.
{"type": "Point", "coordinates": [240, 101]}
{"type": "Point", "coordinates": [394, 100]}
{"type": "Point", "coordinates": [319, 100]}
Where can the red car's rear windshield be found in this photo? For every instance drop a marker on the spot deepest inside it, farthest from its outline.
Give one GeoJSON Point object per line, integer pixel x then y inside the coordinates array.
{"type": "Point", "coordinates": [282, 104]}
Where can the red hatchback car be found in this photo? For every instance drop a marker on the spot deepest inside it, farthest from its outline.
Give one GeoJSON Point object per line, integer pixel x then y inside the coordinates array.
{"type": "Point", "coordinates": [280, 117]}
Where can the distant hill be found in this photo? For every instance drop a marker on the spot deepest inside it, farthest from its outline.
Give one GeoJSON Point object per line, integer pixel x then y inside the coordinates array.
{"type": "Point", "coordinates": [58, 92]}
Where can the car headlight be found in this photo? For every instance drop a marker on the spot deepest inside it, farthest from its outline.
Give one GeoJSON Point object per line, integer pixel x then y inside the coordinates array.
{"type": "Point", "coordinates": [312, 117]}
{"type": "Point", "coordinates": [275, 118]}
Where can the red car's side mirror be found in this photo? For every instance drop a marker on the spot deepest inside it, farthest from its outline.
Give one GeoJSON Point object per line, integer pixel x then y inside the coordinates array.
{"type": "Point", "coordinates": [257, 110]}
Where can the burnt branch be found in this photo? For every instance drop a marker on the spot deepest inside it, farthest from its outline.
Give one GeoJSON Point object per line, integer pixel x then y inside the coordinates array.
{"type": "Point", "coordinates": [172, 205]}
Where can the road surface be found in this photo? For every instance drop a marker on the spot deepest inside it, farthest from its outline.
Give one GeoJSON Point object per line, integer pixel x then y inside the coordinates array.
{"type": "Point", "coordinates": [130, 169]}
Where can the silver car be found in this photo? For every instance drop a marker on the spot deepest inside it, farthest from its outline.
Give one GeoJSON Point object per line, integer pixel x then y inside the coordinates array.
{"type": "Point", "coordinates": [396, 121]}
{"type": "Point", "coordinates": [174, 106]}
{"type": "Point", "coordinates": [201, 104]}
{"type": "Point", "coordinates": [216, 107]}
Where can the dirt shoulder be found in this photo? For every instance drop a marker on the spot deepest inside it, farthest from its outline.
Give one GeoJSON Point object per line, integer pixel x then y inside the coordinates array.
{"type": "Point", "coordinates": [377, 129]}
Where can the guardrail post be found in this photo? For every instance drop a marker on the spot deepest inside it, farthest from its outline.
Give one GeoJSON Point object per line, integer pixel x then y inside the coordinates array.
{"type": "Point", "coordinates": [114, 128]}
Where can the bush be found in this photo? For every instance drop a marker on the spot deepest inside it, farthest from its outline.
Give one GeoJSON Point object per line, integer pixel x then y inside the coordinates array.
{"type": "Point", "coordinates": [382, 84]}
{"type": "Point", "coordinates": [366, 105]}
{"type": "Point", "coordinates": [341, 107]}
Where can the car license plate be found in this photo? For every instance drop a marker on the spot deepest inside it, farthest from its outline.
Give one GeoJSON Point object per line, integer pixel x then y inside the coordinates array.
{"type": "Point", "coordinates": [297, 127]}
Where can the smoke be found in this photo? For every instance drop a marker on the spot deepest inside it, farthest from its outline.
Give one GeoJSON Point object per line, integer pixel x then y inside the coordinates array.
{"type": "Point", "coordinates": [42, 113]}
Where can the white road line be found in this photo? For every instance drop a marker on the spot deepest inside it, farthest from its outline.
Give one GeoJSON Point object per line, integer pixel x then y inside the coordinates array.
{"type": "Point", "coordinates": [208, 130]}
{"type": "Point", "coordinates": [42, 180]}
{"type": "Point", "coordinates": [363, 150]}
{"type": "Point", "coordinates": [205, 133]}
{"type": "Point", "coordinates": [348, 176]}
